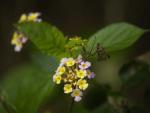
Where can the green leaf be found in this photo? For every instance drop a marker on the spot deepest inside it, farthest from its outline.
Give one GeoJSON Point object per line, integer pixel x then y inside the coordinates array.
{"type": "Point", "coordinates": [115, 37]}
{"type": "Point", "coordinates": [26, 88]}
{"type": "Point", "coordinates": [46, 37]}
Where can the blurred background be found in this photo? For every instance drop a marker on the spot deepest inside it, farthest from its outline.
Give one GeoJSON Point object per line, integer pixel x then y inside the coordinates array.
{"type": "Point", "coordinates": [74, 17]}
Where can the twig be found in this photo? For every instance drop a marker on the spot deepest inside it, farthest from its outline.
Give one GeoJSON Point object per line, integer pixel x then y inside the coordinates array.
{"type": "Point", "coordinates": [71, 106]}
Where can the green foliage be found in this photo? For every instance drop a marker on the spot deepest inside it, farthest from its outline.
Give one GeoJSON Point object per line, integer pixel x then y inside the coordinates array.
{"type": "Point", "coordinates": [2, 110]}
{"type": "Point", "coordinates": [46, 37]}
{"type": "Point", "coordinates": [26, 87]}
{"type": "Point", "coordinates": [52, 41]}
{"type": "Point", "coordinates": [115, 37]}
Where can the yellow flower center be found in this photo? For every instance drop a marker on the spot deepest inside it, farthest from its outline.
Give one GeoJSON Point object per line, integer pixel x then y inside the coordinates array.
{"type": "Point", "coordinates": [84, 65]}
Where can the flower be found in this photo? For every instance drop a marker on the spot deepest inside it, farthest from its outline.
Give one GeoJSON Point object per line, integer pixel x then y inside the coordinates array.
{"type": "Point", "coordinates": [79, 59]}
{"type": "Point", "coordinates": [70, 62]}
{"type": "Point", "coordinates": [31, 17]}
{"type": "Point", "coordinates": [90, 74]}
{"type": "Point", "coordinates": [84, 65]}
{"type": "Point", "coordinates": [34, 17]}
{"type": "Point", "coordinates": [77, 95]}
{"type": "Point", "coordinates": [67, 88]}
{"type": "Point", "coordinates": [23, 18]}
{"type": "Point", "coordinates": [57, 79]}
{"type": "Point", "coordinates": [63, 61]}
{"type": "Point", "coordinates": [61, 70]}
{"type": "Point", "coordinates": [18, 40]}
{"type": "Point", "coordinates": [81, 73]}
{"type": "Point", "coordinates": [82, 84]}
{"type": "Point", "coordinates": [73, 77]}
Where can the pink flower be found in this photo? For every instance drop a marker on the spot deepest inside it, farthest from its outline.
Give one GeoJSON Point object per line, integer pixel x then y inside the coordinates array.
{"type": "Point", "coordinates": [85, 65]}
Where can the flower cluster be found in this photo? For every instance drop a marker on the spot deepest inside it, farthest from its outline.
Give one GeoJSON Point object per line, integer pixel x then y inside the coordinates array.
{"type": "Point", "coordinates": [74, 73]}
{"type": "Point", "coordinates": [31, 17]}
{"type": "Point", "coordinates": [19, 38]}
{"type": "Point", "coordinates": [75, 43]}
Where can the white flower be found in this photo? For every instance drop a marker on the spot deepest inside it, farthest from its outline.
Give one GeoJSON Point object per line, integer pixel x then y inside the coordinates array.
{"type": "Point", "coordinates": [77, 99]}
{"type": "Point", "coordinates": [85, 65]}
{"type": "Point", "coordinates": [63, 61]}
{"type": "Point", "coordinates": [17, 48]}
{"type": "Point", "coordinates": [77, 95]}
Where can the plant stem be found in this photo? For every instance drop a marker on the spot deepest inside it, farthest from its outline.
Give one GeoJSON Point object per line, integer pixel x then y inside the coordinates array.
{"type": "Point", "coordinates": [71, 106]}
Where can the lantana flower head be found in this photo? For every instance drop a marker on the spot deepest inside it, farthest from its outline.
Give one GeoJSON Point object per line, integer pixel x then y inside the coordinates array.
{"type": "Point", "coordinates": [31, 17]}
{"type": "Point", "coordinates": [74, 74]}
{"type": "Point", "coordinates": [18, 40]}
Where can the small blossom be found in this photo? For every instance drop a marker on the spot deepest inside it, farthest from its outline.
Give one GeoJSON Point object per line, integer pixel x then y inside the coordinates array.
{"type": "Point", "coordinates": [81, 73]}
{"type": "Point", "coordinates": [31, 17]}
{"type": "Point", "coordinates": [77, 99]}
{"type": "Point", "coordinates": [90, 74]}
{"type": "Point", "coordinates": [67, 88]}
{"type": "Point", "coordinates": [77, 95]}
{"type": "Point", "coordinates": [82, 84]}
{"type": "Point", "coordinates": [85, 65]}
{"type": "Point", "coordinates": [23, 18]}
{"type": "Point", "coordinates": [34, 17]}
{"type": "Point", "coordinates": [79, 59]}
{"type": "Point", "coordinates": [18, 40]}
{"type": "Point", "coordinates": [70, 62]}
{"type": "Point", "coordinates": [63, 61]}
{"type": "Point", "coordinates": [57, 79]}
{"type": "Point", "coordinates": [61, 70]}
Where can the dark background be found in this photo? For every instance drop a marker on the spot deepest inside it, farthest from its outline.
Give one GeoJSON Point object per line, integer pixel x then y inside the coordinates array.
{"type": "Point", "coordinates": [73, 17]}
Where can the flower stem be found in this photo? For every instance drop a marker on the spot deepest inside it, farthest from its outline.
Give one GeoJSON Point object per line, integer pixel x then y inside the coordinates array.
{"type": "Point", "coordinates": [71, 106]}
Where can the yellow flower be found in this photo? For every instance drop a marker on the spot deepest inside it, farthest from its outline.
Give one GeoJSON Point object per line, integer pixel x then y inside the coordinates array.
{"type": "Point", "coordinates": [18, 40]}
{"type": "Point", "coordinates": [15, 39]}
{"type": "Point", "coordinates": [33, 16]}
{"type": "Point", "coordinates": [57, 79]}
{"type": "Point", "coordinates": [70, 62]}
{"type": "Point", "coordinates": [81, 73]}
{"type": "Point", "coordinates": [23, 18]}
{"type": "Point", "coordinates": [76, 93]}
{"type": "Point", "coordinates": [67, 88]}
{"type": "Point", "coordinates": [82, 84]}
{"type": "Point", "coordinates": [61, 70]}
